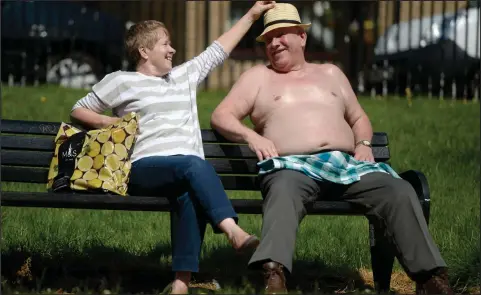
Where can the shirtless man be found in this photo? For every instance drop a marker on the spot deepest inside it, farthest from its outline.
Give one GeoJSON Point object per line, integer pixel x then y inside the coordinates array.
{"type": "Point", "coordinates": [309, 111]}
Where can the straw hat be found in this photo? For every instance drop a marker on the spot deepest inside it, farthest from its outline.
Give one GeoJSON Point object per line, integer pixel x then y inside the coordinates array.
{"type": "Point", "coordinates": [281, 16]}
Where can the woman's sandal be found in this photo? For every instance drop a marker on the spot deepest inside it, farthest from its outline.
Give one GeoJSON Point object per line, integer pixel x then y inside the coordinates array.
{"type": "Point", "coordinates": [251, 243]}
{"type": "Point", "coordinates": [196, 288]}
{"type": "Point", "coordinates": [167, 289]}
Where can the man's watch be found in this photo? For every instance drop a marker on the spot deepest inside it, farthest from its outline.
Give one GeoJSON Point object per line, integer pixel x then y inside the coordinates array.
{"type": "Point", "coordinates": [364, 142]}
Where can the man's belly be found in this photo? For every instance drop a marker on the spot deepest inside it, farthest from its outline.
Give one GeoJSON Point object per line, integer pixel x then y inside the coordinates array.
{"type": "Point", "coordinates": [297, 133]}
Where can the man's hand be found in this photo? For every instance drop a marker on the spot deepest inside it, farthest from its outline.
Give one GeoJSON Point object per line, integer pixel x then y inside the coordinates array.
{"type": "Point", "coordinates": [263, 147]}
{"type": "Point", "coordinates": [260, 7]}
{"type": "Point", "coordinates": [363, 153]}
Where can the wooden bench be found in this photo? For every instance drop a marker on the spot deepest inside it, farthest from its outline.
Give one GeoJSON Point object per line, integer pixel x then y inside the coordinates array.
{"type": "Point", "coordinates": [27, 148]}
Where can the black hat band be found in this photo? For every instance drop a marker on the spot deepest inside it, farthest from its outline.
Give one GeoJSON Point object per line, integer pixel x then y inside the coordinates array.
{"type": "Point", "coordinates": [282, 21]}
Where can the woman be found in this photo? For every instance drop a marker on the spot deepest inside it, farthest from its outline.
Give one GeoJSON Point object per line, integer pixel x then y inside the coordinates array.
{"type": "Point", "coordinates": [168, 155]}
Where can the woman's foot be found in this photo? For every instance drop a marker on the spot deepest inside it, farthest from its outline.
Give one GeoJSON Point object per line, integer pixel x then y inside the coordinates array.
{"type": "Point", "coordinates": [238, 238]}
{"type": "Point", "coordinates": [181, 283]}
{"type": "Point", "coordinates": [244, 241]}
{"type": "Point", "coordinates": [179, 287]}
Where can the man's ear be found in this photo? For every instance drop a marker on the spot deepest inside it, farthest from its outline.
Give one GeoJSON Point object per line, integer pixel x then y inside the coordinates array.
{"type": "Point", "coordinates": [143, 53]}
{"type": "Point", "coordinates": [304, 38]}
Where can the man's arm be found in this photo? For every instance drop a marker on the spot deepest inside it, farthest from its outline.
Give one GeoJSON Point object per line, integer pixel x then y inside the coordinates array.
{"type": "Point", "coordinates": [237, 105]}
{"type": "Point", "coordinates": [227, 117]}
{"type": "Point", "coordinates": [355, 115]}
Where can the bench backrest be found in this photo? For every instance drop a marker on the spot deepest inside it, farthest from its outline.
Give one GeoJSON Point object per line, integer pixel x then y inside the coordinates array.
{"type": "Point", "coordinates": [27, 148]}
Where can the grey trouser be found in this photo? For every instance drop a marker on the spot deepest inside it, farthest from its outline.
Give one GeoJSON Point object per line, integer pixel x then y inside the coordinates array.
{"type": "Point", "coordinates": [392, 200]}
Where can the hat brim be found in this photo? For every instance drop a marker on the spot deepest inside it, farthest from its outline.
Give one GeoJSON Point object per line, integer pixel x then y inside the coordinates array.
{"type": "Point", "coordinates": [260, 38]}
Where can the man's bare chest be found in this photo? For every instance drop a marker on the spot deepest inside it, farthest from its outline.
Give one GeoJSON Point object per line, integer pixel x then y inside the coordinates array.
{"type": "Point", "coordinates": [295, 94]}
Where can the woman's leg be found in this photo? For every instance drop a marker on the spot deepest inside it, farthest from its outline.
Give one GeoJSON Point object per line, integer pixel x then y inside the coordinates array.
{"type": "Point", "coordinates": [190, 229]}
{"type": "Point", "coordinates": [199, 177]}
{"type": "Point", "coordinates": [155, 176]}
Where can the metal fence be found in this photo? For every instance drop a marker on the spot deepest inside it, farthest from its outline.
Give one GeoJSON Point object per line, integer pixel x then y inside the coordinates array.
{"type": "Point", "coordinates": [424, 48]}
{"type": "Point", "coordinates": [74, 43]}
{"type": "Point", "coordinates": [436, 53]}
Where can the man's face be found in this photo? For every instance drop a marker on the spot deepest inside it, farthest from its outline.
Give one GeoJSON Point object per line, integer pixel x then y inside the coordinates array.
{"type": "Point", "coordinates": [283, 45]}
{"type": "Point", "coordinates": [160, 56]}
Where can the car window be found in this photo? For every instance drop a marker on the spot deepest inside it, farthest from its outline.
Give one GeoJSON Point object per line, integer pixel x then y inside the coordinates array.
{"type": "Point", "coordinates": [473, 4]}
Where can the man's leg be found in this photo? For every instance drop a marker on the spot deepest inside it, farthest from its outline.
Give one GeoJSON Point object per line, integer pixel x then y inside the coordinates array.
{"type": "Point", "coordinates": [285, 192]}
{"type": "Point", "coordinates": [394, 202]}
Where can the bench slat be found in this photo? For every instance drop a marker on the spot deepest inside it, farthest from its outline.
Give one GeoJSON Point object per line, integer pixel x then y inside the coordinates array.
{"type": "Point", "coordinates": [113, 202]}
{"type": "Point", "coordinates": [39, 175]}
{"type": "Point", "coordinates": [31, 143]}
{"type": "Point", "coordinates": [23, 174]}
{"type": "Point", "coordinates": [26, 158]}
{"type": "Point", "coordinates": [381, 153]}
{"type": "Point", "coordinates": [42, 158]}
{"type": "Point", "coordinates": [213, 150]}
{"type": "Point", "coordinates": [51, 128]}
{"type": "Point", "coordinates": [28, 143]}
{"type": "Point", "coordinates": [378, 139]}
{"type": "Point", "coordinates": [30, 127]}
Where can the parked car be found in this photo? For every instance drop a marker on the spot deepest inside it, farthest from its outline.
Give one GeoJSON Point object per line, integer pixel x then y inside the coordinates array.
{"type": "Point", "coordinates": [60, 42]}
{"type": "Point", "coordinates": [430, 50]}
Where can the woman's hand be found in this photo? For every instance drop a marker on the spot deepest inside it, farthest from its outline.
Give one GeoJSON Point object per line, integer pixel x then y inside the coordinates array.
{"type": "Point", "coordinates": [231, 38]}
{"type": "Point", "coordinates": [91, 119]}
{"type": "Point", "coordinates": [260, 7]}
{"type": "Point", "coordinates": [107, 120]}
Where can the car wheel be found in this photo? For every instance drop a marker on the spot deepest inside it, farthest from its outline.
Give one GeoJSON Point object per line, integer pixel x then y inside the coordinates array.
{"type": "Point", "coordinates": [73, 71]}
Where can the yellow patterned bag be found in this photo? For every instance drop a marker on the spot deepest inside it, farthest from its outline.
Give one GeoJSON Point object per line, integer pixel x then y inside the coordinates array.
{"type": "Point", "coordinates": [94, 161]}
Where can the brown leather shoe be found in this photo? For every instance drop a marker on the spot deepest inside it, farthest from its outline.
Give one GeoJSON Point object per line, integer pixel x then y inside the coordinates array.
{"type": "Point", "coordinates": [437, 284]}
{"type": "Point", "coordinates": [274, 278]}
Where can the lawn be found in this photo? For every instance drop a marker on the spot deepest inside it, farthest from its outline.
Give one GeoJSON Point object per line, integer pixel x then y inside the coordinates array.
{"type": "Point", "coordinates": [129, 252]}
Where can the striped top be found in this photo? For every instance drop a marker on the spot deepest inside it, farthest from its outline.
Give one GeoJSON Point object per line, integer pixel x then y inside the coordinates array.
{"type": "Point", "coordinates": [167, 106]}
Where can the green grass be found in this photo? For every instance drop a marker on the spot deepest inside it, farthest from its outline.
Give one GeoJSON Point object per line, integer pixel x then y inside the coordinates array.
{"type": "Point", "coordinates": [130, 251]}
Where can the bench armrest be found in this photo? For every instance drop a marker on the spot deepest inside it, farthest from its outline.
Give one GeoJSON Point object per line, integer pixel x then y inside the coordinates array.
{"type": "Point", "coordinates": [420, 184]}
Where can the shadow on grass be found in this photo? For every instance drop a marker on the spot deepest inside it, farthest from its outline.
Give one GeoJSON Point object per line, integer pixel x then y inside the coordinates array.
{"type": "Point", "coordinates": [468, 274]}
{"type": "Point", "coordinates": [100, 268]}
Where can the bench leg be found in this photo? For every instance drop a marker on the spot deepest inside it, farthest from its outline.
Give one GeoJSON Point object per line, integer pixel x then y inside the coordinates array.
{"type": "Point", "coordinates": [174, 218]}
{"type": "Point", "coordinates": [382, 257]}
